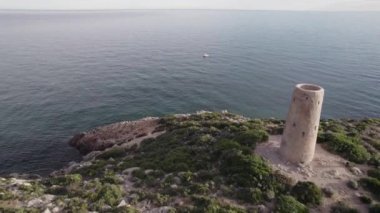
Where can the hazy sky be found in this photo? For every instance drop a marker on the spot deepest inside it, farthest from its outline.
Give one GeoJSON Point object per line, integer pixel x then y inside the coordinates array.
{"type": "Point", "coordinates": [194, 4]}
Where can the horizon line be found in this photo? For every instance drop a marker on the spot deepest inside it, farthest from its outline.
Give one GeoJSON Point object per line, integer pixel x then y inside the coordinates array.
{"type": "Point", "coordinates": [205, 9]}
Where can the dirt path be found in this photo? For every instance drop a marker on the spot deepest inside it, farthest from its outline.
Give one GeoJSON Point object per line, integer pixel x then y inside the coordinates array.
{"type": "Point", "coordinates": [326, 170]}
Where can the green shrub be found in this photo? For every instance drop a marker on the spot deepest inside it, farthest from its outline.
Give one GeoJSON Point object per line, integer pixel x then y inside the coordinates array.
{"type": "Point", "coordinates": [18, 210]}
{"type": "Point", "coordinates": [200, 188]}
{"type": "Point", "coordinates": [110, 194]}
{"type": "Point", "coordinates": [139, 173]}
{"type": "Point", "coordinates": [66, 180]}
{"type": "Point", "coordinates": [365, 199]}
{"type": "Point", "coordinates": [334, 126]}
{"type": "Point", "coordinates": [94, 170]}
{"type": "Point", "coordinates": [77, 205]}
{"type": "Point", "coordinates": [91, 189]}
{"type": "Point", "coordinates": [288, 204]}
{"type": "Point", "coordinates": [246, 170]}
{"type": "Point", "coordinates": [374, 160]}
{"type": "Point", "coordinates": [206, 205]}
{"type": "Point", "coordinates": [375, 208]}
{"type": "Point", "coordinates": [225, 144]}
{"type": "Point", "coordinates": [115, 152]}
{"type": "Point", "coordinates": [57, 190]}
{"type": "Point", "coordinates": [342, 208]}
{"type": "Point", "coordinates": [205, 175]}
{"type": "Point", "coordinates": [353, 184]}
{"type": "Point", "coordinates": [34, 189]}
{"type": "Point", "coordinates": [251, 137]}
{"type": "Point", "coordinates": [282, 183]}
{"type": "Point", "coordinates": [170, 153]}
{"type": "Point", "coordinates": [186, 177]}
{"type": "Point", "coordinates": [245, 150]}
{"type": "Point", "coordinates": [176, 160]}
{"type": "Point", "coordinates": [65, 185]}
{"type": "Point", "coordinates": [250, 195]}
{"type": "Point", "coordinates": [6, 195]}
{"type": "Point", "coordinates": [269, 195]}
{"type": "Point", "coordinates": [110, 177]}
{"type": "Point", "coordinates": [348, 147]}
{"type": "Point", "coordinates": [160, 199]}
{"type": "Point", "coordinates": [375, 173]}
{"type": "Point", "coordinates": [207, 138]}
{"type": "Point", "coordinates": [371, 184]}
{"type": "Point", "coordinates": [307, 193]}
{"type": "Point", "coordinates": [126, 209]}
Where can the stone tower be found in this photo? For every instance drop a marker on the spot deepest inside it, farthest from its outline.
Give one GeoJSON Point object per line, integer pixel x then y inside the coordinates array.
{"type": "Point", "coordinates": [302, 123]}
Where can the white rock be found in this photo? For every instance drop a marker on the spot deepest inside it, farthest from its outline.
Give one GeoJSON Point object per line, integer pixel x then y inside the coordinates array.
{"type": "Point", "coordinates": [34, 202]}
{"type": "Point", "coordinates": [47, 211]}
{"type": "Point", "coordinates": [56, 209]}
{"type": "Point", "coordinates": [106, 207]}
{"type": "Point", "coordinates": [41, 201]}
{"type": "Point", "coordinates": [48, 197]}
{"type": "Point", "coordinates": [356, 171]}
{"type": "Point", "coordinates": [148, 171]}
{"type": "Point", "coordinates": [71, 163]}
{"type": "Point", "coordinates": [262, 209]}
{"type": "Point", "coordinates": [202, 112]}
{"type": "Point", "coordinates": [330, 174]}
{"type": "Point", "coordinates": [122, 203]}
{"type": "Point", "coordinates": [133, 196]}
{"type": "Point", "coordinates": [129, 170]}
{"type": "Point", "coordinates": [177, 180]}
{"type": "Point", "coordinates": [18, 181]}
{"type": "Point", "coordinates": [27, 184]}
{"type": "Point", "coordinates": [164, 209]}
{"type": "Point", "coordinates": [87, 163]}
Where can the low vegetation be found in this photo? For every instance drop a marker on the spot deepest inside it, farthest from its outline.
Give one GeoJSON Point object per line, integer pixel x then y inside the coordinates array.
{"type": "Point", "coordinates": [371, 184]}
{"type": "Point", "coordinates": [288, 204]}
{"type": "Point", "coordinates": [348, 147]}
{"type": "Point", "coordinates": [374, 208]}
{"type": "Point", "coordinates": [307, 193]}
{"type": "Point", "coordinates": [375, 173]}
{"type": "Point", "coordinates": [355, 140]}
{"type": "Point", "coordinates": [341, 207]}
{"type": "Point", "coordinates": [202, 163]}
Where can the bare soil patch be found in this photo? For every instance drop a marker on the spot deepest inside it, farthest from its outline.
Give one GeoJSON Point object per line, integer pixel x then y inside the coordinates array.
{"type": "Point", "coordinates": [326, 170]}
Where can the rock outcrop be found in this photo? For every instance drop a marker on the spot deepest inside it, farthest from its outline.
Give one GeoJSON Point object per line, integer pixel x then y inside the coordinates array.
{"type": "Point", "coordinates": [119, 133]}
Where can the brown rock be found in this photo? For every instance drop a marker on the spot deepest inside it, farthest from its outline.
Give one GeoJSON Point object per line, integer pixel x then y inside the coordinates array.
{"type": "Point", "coordinates": [119, 133]}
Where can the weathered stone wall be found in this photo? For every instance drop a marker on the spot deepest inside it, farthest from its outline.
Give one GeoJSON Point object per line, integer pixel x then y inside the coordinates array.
{"type": "Point", "coordinates": [302, 123]}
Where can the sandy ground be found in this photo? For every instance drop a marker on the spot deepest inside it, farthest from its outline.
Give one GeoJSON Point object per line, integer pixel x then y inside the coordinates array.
{"type": "Point", "coordinates": [326, 170]}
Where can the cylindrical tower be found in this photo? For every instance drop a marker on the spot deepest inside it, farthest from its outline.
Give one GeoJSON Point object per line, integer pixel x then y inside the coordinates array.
{"type": "Point", "coordinates": [301, 127]}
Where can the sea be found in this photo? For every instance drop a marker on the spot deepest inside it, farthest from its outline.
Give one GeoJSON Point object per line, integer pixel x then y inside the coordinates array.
{"type": "Point", "coordinates": [64, 72]}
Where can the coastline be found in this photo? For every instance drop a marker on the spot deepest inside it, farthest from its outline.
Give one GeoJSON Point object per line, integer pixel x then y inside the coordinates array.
{"type": "Point", "coordinates": [111, 156]}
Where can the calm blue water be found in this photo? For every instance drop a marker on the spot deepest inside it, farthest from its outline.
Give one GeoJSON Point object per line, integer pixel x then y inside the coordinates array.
{"type": "Point", "coordinates": [65, 72]}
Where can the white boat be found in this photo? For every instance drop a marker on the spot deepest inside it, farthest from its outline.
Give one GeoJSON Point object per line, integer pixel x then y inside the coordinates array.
{"type": "Point", "coordinates": [206, 55]}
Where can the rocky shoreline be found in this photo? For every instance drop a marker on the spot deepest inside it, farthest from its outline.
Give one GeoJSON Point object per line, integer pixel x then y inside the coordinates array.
{"type": "Point", "coordinates": [119, 134]}
{"type": "Point", "coordinates": [205, 162]}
